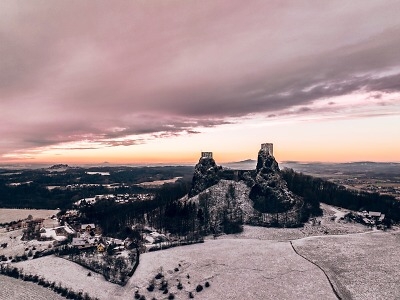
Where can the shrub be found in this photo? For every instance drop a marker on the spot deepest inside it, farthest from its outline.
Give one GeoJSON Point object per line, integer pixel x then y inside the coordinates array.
{"type": "Point", "coordinates": [176, 269]}
{"type": "Point", "coordinates": [64, 292]}
{"type": "Point", "coordinates": [180, 286]}
{"type": "Point", "coordinates": [159, 276]}
{"type": "Point", "coordinates": [71, 295]}
{"type": "Point", "coordinates": [164, 285]}
{"type": "Point", "coordinates": [137, 295]}
{"type": "Point", "coordinates": [171, 296]}
{"type": "Point", "coordinates": [207, 284]}
{"type": "Point", "coordinates": [165, 291]}
{"type": "Point", "coordinates": [150, 288]}
{"type": "Point", "coordinates": [191, 295]}
{"type": "Point", "coordinates": [199, 288]}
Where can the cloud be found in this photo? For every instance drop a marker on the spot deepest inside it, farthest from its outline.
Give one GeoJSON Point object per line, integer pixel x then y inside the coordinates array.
{"type": "Point", "coordinates": [118, 75]}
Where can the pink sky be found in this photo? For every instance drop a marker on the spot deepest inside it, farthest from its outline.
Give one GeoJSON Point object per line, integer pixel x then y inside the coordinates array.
{"type": "Point", "coordinates": [159, 81]}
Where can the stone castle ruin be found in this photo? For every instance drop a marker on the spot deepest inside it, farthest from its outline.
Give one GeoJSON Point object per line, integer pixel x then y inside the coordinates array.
{"type": "Point", "coordinates": [273, 204]}
{"type": "Point", "coordinates": [268, 148]}
{"type": "Point", "coordinates": [206, 155]}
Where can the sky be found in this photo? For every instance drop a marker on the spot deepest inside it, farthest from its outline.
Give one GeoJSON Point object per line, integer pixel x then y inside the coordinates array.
{"type": "Point", "coordinates": [154, 81]}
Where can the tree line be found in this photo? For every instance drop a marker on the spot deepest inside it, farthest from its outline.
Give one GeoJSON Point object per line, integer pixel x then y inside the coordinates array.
{"type": "Point", "coordinates": [314, 189]}
{"type": "Point", "coordinates": [163, 212]}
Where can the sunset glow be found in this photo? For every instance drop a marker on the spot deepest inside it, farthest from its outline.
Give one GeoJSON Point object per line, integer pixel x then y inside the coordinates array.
{"type": "Point", "coordinates": [134, 82]}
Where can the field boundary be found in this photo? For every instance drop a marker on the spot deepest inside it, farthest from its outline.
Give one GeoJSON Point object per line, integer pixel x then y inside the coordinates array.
{"type": "Point", "coordinates": [65, 292]}
{"type": "Point", "coordinates": [326, 275]}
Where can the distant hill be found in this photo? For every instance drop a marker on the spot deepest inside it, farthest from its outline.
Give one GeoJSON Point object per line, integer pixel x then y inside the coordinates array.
{"type": "Point", "coordinates": [59, 167]}
{"type": "Point", "coordinates": [358, 169]}
{"type": "Point", "coordinates": [247, 164]}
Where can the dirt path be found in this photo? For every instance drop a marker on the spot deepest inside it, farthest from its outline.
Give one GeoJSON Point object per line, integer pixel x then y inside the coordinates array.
{"type": "Point", "coordinates": [352, 264]}
{"type": "Point", "coordinates": [340, 292]}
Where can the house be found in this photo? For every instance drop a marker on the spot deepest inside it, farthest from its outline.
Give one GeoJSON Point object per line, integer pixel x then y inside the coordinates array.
{"type": "Point", "coordinates": [373, 217]}
{"type": "Point", "coordinates": [60, 231]}
{"type": "Point", "coordinates": [87, 227]}
{"type": "Point", "coordinates": [82, 243]}
{"type": "Point", "coordinates": [115, 242]}
{"type": "Point", "coordinates": [101, 248]}
{"type": "Point", "coordinates": [78, 242]}
{"type": "Point", "coordinates": [374, 214]}
{"type": "Point", "coordinates": [381, 218]}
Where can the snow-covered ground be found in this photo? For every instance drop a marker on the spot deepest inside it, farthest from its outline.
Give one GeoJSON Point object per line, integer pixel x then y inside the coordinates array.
{"type": "Point", "coordinates": [235, 269]}
{"type": "Point", "coordinates": [361, 266]}
{"type": "Point", "coordinates": [71, 275]}
{"type": "Point", "coordinates": [15, 289]}
{"type": "Point", "coordinates": [8, 215]}
{"type": "Point", "coordinates": [16, 246]}
{"type": "Point", "coordinates": [217, 198]}
{"type": "Point", "coordinates": [256, 264]}
{"type": "Point", "coordinates": [51, 233]}
{"type": "Point", "coordinates": [158, 182]}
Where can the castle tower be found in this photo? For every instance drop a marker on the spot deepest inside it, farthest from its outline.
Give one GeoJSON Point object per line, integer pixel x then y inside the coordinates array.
{"type": "Point", "coordinates": [268, 147]}
{"type": "Point", "coordinates": [206, 155]}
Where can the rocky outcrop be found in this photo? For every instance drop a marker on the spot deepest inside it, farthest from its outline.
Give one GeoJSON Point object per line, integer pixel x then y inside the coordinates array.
{"type": "Point", "coordinates": [271, 201]}
{"type": "Point", "coordinates": [266, 163]}
{"type": "Point", "coordinates": [227, 197]}
{"type": "Point", "coordinates": [269, 192]}
{"type": "Point", "coordinates": [206, 174]}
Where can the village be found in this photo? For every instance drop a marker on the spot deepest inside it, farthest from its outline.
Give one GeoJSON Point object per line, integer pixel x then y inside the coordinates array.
{"type": "Point", "coordinates": [65, 235]}
{"type": "Point", "coordinates": [117, 198]}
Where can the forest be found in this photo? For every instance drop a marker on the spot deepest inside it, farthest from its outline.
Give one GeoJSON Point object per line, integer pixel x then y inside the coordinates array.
{"type": "Point", "coordinates": [165, 213]}
{"type": "Point", "coordinates": [28, 188]}
{"type": "Point", "coordinates": [314, 189]}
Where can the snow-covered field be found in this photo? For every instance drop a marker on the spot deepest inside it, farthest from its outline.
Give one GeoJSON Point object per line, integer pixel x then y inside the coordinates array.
{"type": "Point", "coordinates": [235, 269]}
{"type": "Point", "coordinates": [9, 215]}
{"type": "Point", "coordinates": [158, 182]}
{"type": "Point", "coordinates": [15, 246]}
{"type": "Point", "coordinates": [71, 275]}
{"type": "Point", "coordinates": [361, 266]}
{"type": "Point", "coordinates": [15, 289]}
{"type": "Point", "coordinates": [256, 264]}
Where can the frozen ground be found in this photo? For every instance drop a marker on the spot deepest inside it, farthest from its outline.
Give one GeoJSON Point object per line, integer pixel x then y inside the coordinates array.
{"type": "Point", "coordinates": [15, 289]}
{"type": "Point", "coordinates": [235, 269]}
{"type": "Point", "coordinates": [9, 215]}
{"type": "Point", "coordinates": [71, 275]}
{"type": "Point", "coordinates": [361, 266]}
{"type": "Point", "coordinates": [15, 246]}
{"type": "Point", "coordinates": [256, 264]}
